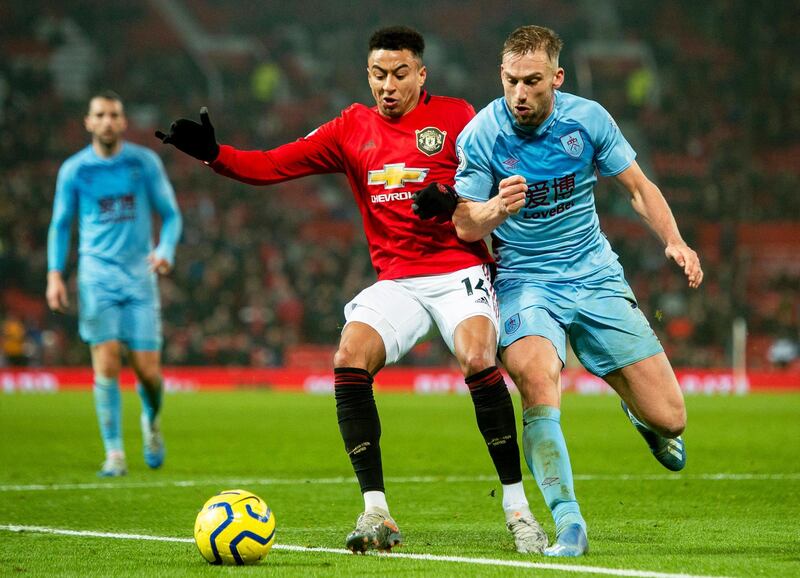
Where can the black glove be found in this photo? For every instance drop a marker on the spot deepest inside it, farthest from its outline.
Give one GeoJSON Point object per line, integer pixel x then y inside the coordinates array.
{"type": "Point", "coordinates": [194, 139]}
{"type": "Point", "coordinates": [435, 200]}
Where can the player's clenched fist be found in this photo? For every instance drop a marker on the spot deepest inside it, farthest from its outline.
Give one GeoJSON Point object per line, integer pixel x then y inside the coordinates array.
{"type": "Point", "coordinates": [511, 193]}
{"type": "Point", "coordinates": [435, 200]}
{"type": "Point", "coordinates": [195, 139]}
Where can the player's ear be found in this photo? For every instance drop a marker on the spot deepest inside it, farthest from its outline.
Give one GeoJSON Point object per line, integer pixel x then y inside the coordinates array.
{"type": "Point", "coordinates": [423, 74]}
{"type": "Point", "coordinates": [558, 79]}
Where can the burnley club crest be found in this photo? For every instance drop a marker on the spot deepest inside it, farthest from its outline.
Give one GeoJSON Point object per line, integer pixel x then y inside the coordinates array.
{"type": "Point", "coordinates": [430, 140]}
{"type": "Point", "coordinates": [573, 143]}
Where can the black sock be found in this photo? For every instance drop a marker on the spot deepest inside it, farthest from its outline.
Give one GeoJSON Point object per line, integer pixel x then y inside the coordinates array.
{"type": "Point", "coordinates": [359, 425]}
{"type": "Point", "coordinates": [495, 413]}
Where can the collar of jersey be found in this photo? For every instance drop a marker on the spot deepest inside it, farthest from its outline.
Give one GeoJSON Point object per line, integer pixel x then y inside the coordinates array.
{"type": "Point", "coordinates": [539, 130]}
{"type": "Point", "coordinates": [110, 159]}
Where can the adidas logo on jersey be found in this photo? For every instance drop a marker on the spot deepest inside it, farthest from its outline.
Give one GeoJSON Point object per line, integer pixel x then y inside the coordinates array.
{"type": "Point", "coordinates": [483, 300]}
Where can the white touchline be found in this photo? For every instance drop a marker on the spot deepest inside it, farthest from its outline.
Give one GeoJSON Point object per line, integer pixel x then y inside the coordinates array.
{"type": "Point", "coordinates": [114, 485]}
{"type": "Point", "coordinates": [428, 557]}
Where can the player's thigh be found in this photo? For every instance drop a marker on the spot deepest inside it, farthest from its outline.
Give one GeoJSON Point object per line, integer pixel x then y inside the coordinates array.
{"type": "Point", "coordinates": [535, 368]}
{"type": "Point", "coordinates": [394, 313]}
{"type": "Point", "coordinates": [652, 391]}
{"type": "Point", "coordinates": [141, 318]}
{"type": "Point", "coordinates": [99, 313]}
{"type": "Point", "coordinates": [106, 358]}
{"type": "Point", "coordinates": [608, 330]}
{"type": "Point", "coordinates": [463, 300]}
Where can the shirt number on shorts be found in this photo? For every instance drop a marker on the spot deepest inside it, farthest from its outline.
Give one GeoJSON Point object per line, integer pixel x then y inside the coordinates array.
{"type": "Point", "coordinates": [478, 287]}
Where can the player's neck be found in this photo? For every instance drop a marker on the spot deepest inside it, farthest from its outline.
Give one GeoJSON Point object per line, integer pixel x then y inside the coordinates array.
{"type": "Point", "coordinates": [106, 151]}
{"type": "Point", "coordinates": [414, 106]}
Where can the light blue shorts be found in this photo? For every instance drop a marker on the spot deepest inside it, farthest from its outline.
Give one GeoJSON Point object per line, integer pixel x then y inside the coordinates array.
{"type": "Point", "coordinates": [599, 314]}
{"type": "Point", "coordinates": [127, 312]}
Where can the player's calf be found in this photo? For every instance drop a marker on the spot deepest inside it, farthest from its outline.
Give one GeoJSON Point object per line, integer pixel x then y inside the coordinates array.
{"type": "Point", "coordinates": [670, 452]}
{"type": "Point", "coordinates": [494, 412]}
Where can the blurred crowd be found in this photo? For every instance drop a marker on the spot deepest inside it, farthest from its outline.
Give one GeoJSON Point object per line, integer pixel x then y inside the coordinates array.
{"type": "Point", "coordinates": [262, 273]}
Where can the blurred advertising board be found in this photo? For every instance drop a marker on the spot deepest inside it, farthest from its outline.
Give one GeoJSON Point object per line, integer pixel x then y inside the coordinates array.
{"type": "Point", "coordinates": [410, 379]}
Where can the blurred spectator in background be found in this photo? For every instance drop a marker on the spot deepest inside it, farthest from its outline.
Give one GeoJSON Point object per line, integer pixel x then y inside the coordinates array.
{"type": "Point", "coordinates": [14, 341]}
{"type": "Point", "coordinates": [784, 350]}
{"type": "Point", "coordinates": [730, 169]}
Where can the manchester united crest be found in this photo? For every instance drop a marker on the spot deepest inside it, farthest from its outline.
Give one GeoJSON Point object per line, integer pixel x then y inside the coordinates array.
{"type": "Point", "coordinates": [430, 140]}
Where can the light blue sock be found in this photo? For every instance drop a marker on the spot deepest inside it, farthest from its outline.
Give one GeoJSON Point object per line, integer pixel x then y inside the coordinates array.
{"type": "Point", "coordinates": [547, 457]}
{"type": "Point", "coordinates": [151, 400]}
{"type": "Point", "coordinates": [108, 405]}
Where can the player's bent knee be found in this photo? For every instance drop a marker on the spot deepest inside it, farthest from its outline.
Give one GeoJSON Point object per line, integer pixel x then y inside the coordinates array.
{"type": "Point", "coordinates": [475, 363]}
{"type": "Point", "coordinates": [342, 358]}
{"type": "Point", "coordinates": [670, 431]}
{"type": "Point", "coordinates": [670, 425]}
{"type": "Point", "coordinates": [151, 380]}
{"type": "Point", "coordinates": [101, 377]}
{"type": "Point", "coordinates": [107, 372]}
{"type": "Point", "coordinates": [537, 390]}
{"type": "Point", "coordinates": [347, 357]}
{"type": "Point", "coordinates": [677, 426]}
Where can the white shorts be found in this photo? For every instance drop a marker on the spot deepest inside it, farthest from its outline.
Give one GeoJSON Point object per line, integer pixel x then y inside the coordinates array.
{"type": "Point", "coordinates": [407, 311]}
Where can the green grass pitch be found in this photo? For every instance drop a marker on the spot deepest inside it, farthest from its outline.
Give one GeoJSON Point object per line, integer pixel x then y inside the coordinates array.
{"type": "Point", "coordinates": [733, 512]}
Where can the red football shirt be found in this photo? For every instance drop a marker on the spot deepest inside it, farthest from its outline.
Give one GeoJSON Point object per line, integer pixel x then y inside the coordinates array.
{"type": "Point", "coordinates": [386, 160]}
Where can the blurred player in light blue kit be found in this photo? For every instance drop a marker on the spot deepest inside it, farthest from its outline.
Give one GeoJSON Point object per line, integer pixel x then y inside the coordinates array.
{"type": "Point", "coordinates": [113, 187]}
{"type": "Point", "coordinates": [527, 169]}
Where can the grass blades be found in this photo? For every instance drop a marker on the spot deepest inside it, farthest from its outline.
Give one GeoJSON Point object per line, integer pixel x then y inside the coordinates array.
{"type": "Point", "coordinates": [733, 512]}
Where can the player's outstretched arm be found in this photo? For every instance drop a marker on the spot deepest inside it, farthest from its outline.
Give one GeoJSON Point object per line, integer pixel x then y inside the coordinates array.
{"type": "Point", "coordinates": [195, 139]}
{"type": "Point", "coordinates": [651, 205]}
{"type": "Point", "coordinates": [474, 220]}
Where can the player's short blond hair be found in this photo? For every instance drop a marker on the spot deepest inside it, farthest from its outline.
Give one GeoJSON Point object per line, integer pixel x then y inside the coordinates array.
{"type": "Point", "coordinates": [532, 38]}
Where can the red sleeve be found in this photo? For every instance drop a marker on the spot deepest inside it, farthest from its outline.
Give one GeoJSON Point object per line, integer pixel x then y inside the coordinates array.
{"type": "Point", "coordinates": [315, 154]}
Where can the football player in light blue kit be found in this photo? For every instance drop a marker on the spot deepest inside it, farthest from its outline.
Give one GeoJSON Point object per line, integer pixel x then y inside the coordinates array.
{"type": "Point", "coordinates": [113, 187]}
{"type": "Point", "coordinates": [526, 175]}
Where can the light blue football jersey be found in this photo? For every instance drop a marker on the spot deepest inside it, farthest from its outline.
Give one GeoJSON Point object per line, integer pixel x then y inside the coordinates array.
{"type": "Point", "coordinates": [557, 235]}
{"type": "Point", "coordinates": [114, 199]}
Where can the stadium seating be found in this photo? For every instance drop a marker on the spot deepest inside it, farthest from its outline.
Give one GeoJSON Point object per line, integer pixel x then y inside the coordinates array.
{"type": "Point", "coordinates": [263, 274]}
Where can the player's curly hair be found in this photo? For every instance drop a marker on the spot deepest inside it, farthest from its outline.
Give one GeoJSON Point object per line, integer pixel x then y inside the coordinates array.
{"type": "Point", "coordinates": [531, 38]}
{"type": "Point", "coordinates": [398, 38]}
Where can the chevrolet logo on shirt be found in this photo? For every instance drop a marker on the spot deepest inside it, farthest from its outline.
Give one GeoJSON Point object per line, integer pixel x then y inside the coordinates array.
{"type": "Point", "coordinates": [396, 175]}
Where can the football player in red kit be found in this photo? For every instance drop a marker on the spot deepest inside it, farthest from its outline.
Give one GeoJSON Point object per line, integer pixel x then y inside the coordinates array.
{"type": "Point", "coordinates": [428, 278]}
